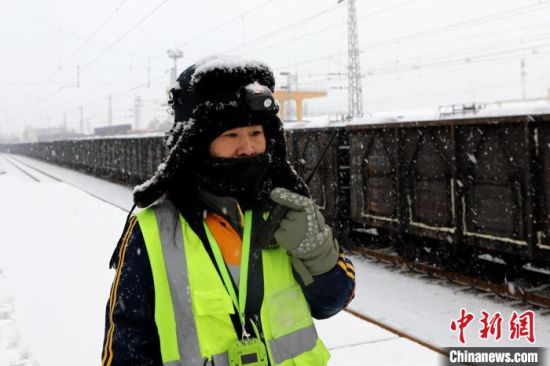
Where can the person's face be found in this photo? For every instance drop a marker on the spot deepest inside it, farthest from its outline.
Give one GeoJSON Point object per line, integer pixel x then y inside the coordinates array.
{"type": "Point", "coordinates": [239, 142]}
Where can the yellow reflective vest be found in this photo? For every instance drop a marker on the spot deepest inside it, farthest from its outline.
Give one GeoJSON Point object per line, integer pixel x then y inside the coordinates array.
{"type": "Point", "coordinates": [193, 307]}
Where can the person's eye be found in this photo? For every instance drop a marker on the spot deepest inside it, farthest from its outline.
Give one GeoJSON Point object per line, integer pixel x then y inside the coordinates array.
{"type": "Point", "coordinates": [256, 133]}
{"type": "Point", "coordinates": [230, 134]}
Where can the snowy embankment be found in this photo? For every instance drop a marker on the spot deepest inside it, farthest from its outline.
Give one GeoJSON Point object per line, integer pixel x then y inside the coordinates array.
{"type": "Point", "coordinates": [424, 307]}
{"type": "Point", "coordinates": [56, 244]}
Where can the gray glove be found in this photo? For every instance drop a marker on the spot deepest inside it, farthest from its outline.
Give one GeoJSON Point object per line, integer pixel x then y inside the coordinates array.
{"type": "Point", "coordinates": [304, 234]}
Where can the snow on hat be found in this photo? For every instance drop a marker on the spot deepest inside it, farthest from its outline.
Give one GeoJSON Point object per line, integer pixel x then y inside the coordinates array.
{"type": "Point", "coordinates": [207, 101]}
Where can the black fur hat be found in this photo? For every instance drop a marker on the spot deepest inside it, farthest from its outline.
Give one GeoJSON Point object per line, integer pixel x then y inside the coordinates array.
{"type": "Point", "coordinates": [206, 102]}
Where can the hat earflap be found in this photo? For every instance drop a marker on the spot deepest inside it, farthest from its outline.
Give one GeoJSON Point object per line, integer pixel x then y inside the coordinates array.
{"type": "Point", "coordinates": [181, 151]}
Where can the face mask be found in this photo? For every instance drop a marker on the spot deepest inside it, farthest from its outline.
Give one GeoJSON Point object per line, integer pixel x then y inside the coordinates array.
{"type": "Point", "coordinates": [240, 178]}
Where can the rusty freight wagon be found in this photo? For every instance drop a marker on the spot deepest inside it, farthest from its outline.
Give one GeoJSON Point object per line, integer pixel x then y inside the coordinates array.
{"type": "Point", "coordinates": [464, 183]}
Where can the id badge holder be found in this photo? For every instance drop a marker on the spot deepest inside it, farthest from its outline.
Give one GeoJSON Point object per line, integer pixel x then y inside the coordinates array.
{"type": "Point", "coordinates": [248, 352]}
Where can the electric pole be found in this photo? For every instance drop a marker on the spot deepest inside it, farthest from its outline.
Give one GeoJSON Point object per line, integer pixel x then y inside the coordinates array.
{"type": "Point", "coordinates": [355, 95]}
{"type": "Point", "coordinates": [175, 54]}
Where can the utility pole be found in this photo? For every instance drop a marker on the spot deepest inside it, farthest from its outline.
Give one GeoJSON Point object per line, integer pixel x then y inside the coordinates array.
{"type": "Point", "coordinates": [110, 110]}
{"type": "Point", "coordinates": [137, 111]}
{"type": "Point", "coordinates": [174, 54]}
{"type": "Point", "coordinates": [355, 95]}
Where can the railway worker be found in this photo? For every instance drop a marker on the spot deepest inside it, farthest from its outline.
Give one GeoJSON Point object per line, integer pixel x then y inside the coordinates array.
{"type": "Point", "coordinates": [195, 285]}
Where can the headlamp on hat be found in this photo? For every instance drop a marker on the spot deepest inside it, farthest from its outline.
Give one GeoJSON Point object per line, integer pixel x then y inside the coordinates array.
{"type": "Point", "coordinates": [256, 96]}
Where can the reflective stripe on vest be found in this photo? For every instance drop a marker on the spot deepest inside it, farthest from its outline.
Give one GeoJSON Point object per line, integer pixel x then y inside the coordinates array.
{"type": "Point", "coordinates": [287, 347]}
{"type": "Point", "coordinates": [192, 307]}
{"type": "Point", "coordinates": [175, 323]}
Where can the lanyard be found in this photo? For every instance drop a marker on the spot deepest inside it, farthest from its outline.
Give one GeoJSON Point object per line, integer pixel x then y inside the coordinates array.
{"type": "Point", "coordinates": [240, 301]}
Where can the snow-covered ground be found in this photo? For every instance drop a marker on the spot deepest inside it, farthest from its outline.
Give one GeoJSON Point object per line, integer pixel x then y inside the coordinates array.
{"type": "Point", "coordinates": [57, 238]}
{"type": "Point", "coordinates": [424, 307]}
{"type": "Point", "coordinates": [56, 243]}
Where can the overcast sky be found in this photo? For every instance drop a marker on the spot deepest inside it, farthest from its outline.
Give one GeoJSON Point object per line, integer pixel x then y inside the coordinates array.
{"type": "Point", "coordinates": [415, 54]}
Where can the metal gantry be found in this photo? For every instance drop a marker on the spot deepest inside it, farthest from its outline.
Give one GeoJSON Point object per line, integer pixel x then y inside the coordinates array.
{"type": "Point", "coordinates": [355, 95]}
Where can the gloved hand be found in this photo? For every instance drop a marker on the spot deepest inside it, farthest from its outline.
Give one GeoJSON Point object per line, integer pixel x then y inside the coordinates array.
{"type": "Point", "coordinates": [305, 235]}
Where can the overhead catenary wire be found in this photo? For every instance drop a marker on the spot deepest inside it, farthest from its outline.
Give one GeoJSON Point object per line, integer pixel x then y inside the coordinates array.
{"type": "Point", "coordinates": [452, 65]}
{"type": "Point", "coordinates": [479, 20]}
{"type": "Point", "coordinates": [385, 78]}
{"type": "Point", "coordinates": [478, 36]}
{"type": "Point", "coordinates": [450, 62]}
{"type": "Point", "coordinates": [128, 69]}
{"type": "Point", "coordinates": [125, 92]}
{"type": "Point", "coordinates": [226, 23]}
{"type": "Point", "coordinates": [309, 18]}
{"type": "Point", "coordinates": [120, 38]}
{"type": "Point", "coordinates": [84, 43]}
{"type": "Point", "coordinates": [512, 53]}
{"type": "Point", "coordinates": [316, 15]}
{"type": "Point", "coordinates": [514, 12]}
{"type": "Point", "coordinates": [446, 61]}
{"type": "Point", "coordinates": [256, 8]}
{"type": "Point", "coordinates": [428, 33]}
{"type": "Point", "coordinates": [119, 96]}
{"type": "Point", "coordinates": [464, 54]}
{"type": "Point", "coordinates": [336, 25]}
{"type": "Point", "coordinates": [50, 24]}
{"type": "Point", "coordinates": [116, 77]}
{"type": "Point", "coordinates": [285, 27]}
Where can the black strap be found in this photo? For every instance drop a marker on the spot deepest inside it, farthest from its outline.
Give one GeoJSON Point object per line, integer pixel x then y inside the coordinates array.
{"type": "Point", "coordinates": [255, 295]}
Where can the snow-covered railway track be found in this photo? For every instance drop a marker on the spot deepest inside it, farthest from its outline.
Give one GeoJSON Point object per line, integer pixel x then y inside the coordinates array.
{"type": "Point", "coordinates": [38, 175]}
{"type": "Point", "coordinates": [16, 166]}
{"type": "Point", "coordinates": [26, 168]}
{"type": "Point", "coordinates": [397, 332]}
{"type": "Point", "coordinates": [25, 172]}
{"type": "Point", "coordinates": [538, 296]}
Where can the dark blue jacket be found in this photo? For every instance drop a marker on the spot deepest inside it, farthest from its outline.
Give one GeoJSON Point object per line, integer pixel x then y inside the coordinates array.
{"type": "Point", "coordinates": [131, 336]}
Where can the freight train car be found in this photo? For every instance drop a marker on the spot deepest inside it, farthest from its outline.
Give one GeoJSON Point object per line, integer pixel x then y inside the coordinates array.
{"type": "Point", "coordinates": [460, 187]}
{"type": "Point", "coordinates": [470, 183]}
{"type": "Point", "coordinates": [126, 160]}
{"type": "Point", "coordinates": [329, 186]}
